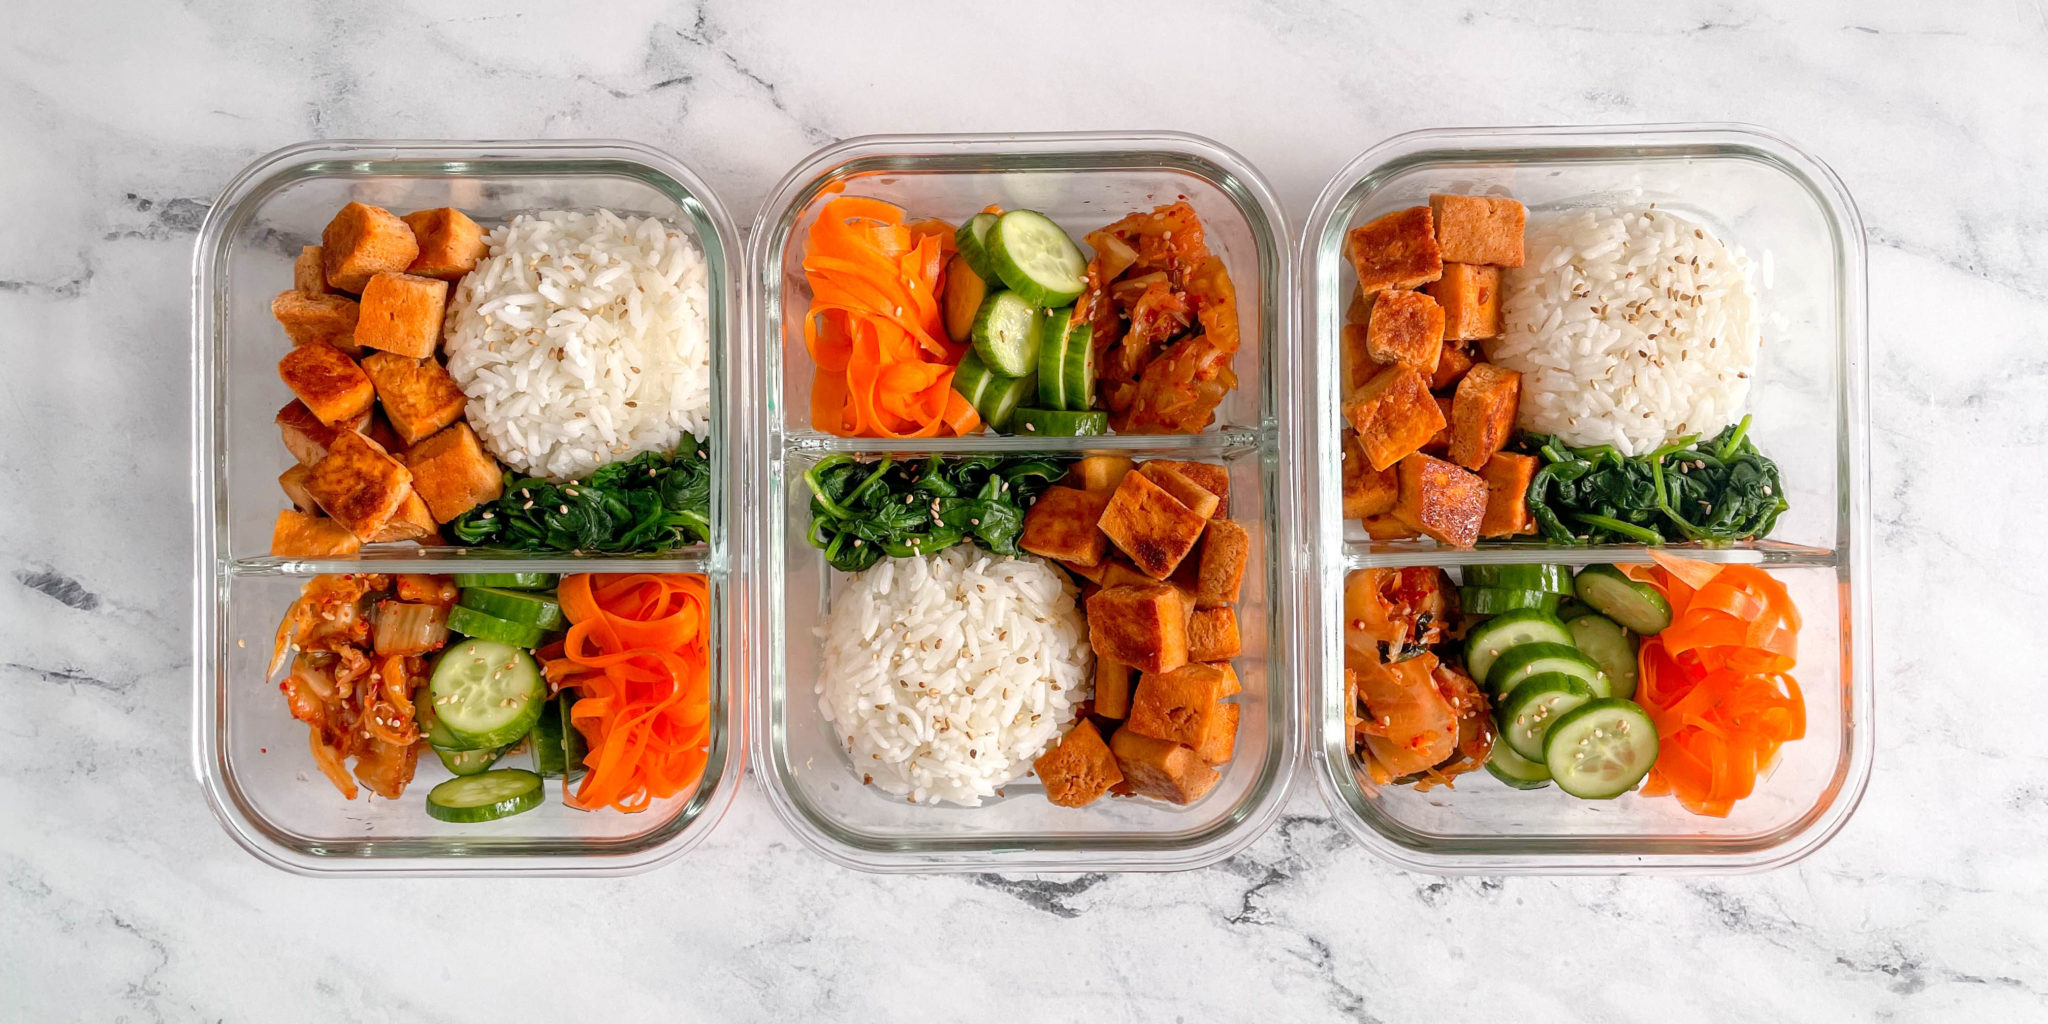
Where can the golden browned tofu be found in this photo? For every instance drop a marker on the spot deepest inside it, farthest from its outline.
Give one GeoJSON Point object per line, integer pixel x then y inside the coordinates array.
{"type": "Point", "coordinates": [305, 436]}
{"type": "Point", "coordinates": [1112, 688]}
{"type": "Point", "coordinates": [1221, 742]}
{"type": "Point", "coordinates": [1439, 443]}
{"type": "Point", "coordinates": [1451, 365]}
{"type": "Point", "coordinates": [1387, 527]}
{"type": "Point", "coordinates": [1507, 477]}
{"type": "Point", "coordinates": [1119, 573]}
{"type": "Point", "coordinates": [1470, 297]}
{"type": "Point", "coordinates": [293, 481]}
{"type": "Point", "coordinates": [418, 395]}
{"type": "Point", "coordinates": [1098, 473]}
{"type": "Point", "coordinates": [402, 314]}
{"type": "Point", "coordinates": [1398, 250]}
{"type": "Point", "coordinates": [450, 243]}
{"type": "Point", "coordinates": [1091, 573]}
{"type": "Point", "coordinates": [298, 535]}
{"type": "Point", "coordinates": [1483, 413]}
{"type": "Point", "coordinates": [1213, 635]}
{"type": "Point", "coordinates": [1225, 549]}
{"type": "Point", "coordinates": [1394, 414]}
{"type": "Point", "coordinates": [326, 319]}
{"type": "Point", "coordinates": [1355, 363]}
{"type": "Point", "coordinates": [1440, 500]}
{"type": "Point", "coordinates": [412, 521]}
{"type": "Point", "coordinates": [452, 474]}
{"type": "Point", "coordinates": [362, 241]}
{"type": "Point", "coordinates": [1153, 528]}
{"type": "Point", "coordinates": [1061, 524]}
{"type": "Point", "coordinates": [1367, 491]}
{"type": "Point", "coordinates": [1197, 498]}
{"type": "Point", "coordinates": [1231, 685]}
{"type": "Point", "coordinates": [1079, 770]}
{"type": "Point", "coordinates": [1160, 769]}
{"type": "Point", "coordinates": [1144, 626]}
{"type": "Point", "coordinates": [1176, 705]}
{"type": "Point", "coordinates": [1208, 476]}
{"type": "Point", "coordinates": [359, 485]}
{"type": "Point", "coordinates": [1479, 229]}
{"type": "Point", "coordinates": [379, 429]}
{"type": "Point", "coordinates": [309, 275]}
{"type": "Point", "coordinates": [328, 382]}
{"type": "Point", "coordinates": [1407, 328]}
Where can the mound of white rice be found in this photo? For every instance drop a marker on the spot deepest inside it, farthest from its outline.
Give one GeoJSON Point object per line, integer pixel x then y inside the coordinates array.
{"type": "Point", "coordinates": [947, 675]}
{"type": "Point", "coordinates": [581, 340]}
{"type": "Point", "coordinates": [1630, 326]}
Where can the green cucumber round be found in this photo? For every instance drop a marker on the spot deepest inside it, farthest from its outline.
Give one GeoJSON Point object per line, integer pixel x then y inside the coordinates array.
{"type": "Point", "coordinates": [512, 580]}
{"type": "Point", "coordinates": [1517, 664]}
{"type": "Point", "coordinates": [1080, 369]}
{"type": "Point", "coordinates": [470, 622]}
{"type": "Point", "coordinates": [1052, 357]}
{"type": "Point", "coordinates": [498, 793]}
{"type": "Point", "coordinates": [1611, 645]}
{"type": "Point", "coordinates": [1514, 769]}
{"type": "Point", "coordinates": [972, 379]}
{"type": "Point", "coordinates": [1636, 605]}
{"type": "Point", "coordinates": [1490, 601]}
{"type": "Point", "coordinates": [972, 241]}
{"type": "Point", "coordinates": [1494, 637]}
{"type": "Point", "coordinates": [486, 694]}
{"type": "Point", "coordinates": [468, 762]}
{"type": "Point", "coordinates": [1001, 399]}
{"type": "Point", "coordinates": [1601, 750]}
{"type": "Point", "coordinates": [1034, 258]}
{"type": "Point", "coordinates": [1006, 334]}
{"type": "Point", "coordinates": [1059, 423]}
{"type": "Point", "coordinates": [1555, 579]}
{"type": "Point", "coordinates": [1527, 714]}
{"type": "Point", "coordinates": [526, 607]}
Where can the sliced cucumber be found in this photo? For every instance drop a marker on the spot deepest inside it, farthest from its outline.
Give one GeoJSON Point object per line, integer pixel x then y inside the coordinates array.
{"type": "Point", "coordinates": [1556, 579]}
{"type": "Point", "coordinates": [1490, 601]}
{"type": "Point", "coordinates": [526, 607]}
{"type": "Point", "coordinates": [1571, 608]}
{"type": "Point", "coordinates": [1001, 399]}
{"type": "Point", "coordinates": [1492, 638]}
{"type": "Point", "coordinates": [972, 241]}
{"type": "Point", "coordinates": [1517, 664]}
{"type": "Point", "coordinates": [1080, 372]}
{"type": "Point", "coordinates": [965, 291]}
{"type": "Point", "coordinates": [1636, 605]}
{"type": "Point", "coordinates": [1514, 769]}
{"type": "Point", "coordinates": [1059, 423]}
{"type": "Point", "coordinates": [468, 762]}
{"type": "Point", "coordinates": [1052, 357]}
{"type": "Point", "coordinates": [1527, 714]}
{"type": "Point", "coordinates": [513, 580]}
{"type": "Point", "coordinates": [546, 742]}
{"type": "Point", "coordinates": [470, 622]}
{"type": "Point", "coordinates": [499, 793]}
{"type": "Point", "coordinates": [1601, 750]}
{"type": "Point", "coordinates": [486, 693]}
{"type": "Point", "coordinates": [1612, 646]}
{"type": "Point", "coordinates": [430, 725]}
{"type": "Point", "coordinates": [1005, 334]}
{"type": "Point", "coordinates": [1035, 258]}
{"type": "Point", "coordinates": [972, 379]}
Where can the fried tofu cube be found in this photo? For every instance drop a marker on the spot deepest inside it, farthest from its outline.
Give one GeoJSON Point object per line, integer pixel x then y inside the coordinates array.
{"type": "Point", "coordinates": [1144, 626]}
{"type": "Point", "coordinates": [293, 481]}
{"type": "Point", "coordinates": [1091, 573]}
{"type": "Point", "coordinates": [402, 314]}
{"type": "Point", "coordinates": [1407, 328]}
{"type": "Point", "coordinates": [1470, 297]}
{"type": "Point", "coordinates": [1398, 250]}
{"type": "Point", "coordinates": [362, 241]}
{"type": "Point", "coordinates": [1387, 527]}
{"type": "Point", "coordinates": [412, 521]}
{"type": "Point", "coordinates": [1112, 687]}
{"type": "Point", "coordinates": [1483, 413]}
{"type": "Point", "coordinates": [1119, 573]}
{"type": "Point", "coordinates": [1367, 491]}
{"type": "Point", "coordinates": [1479, 229]}
{"type": "Point", "coordinates": [1160, 769]}
{"type": "Point", "coordinates": [299, 535]}
{"type": "Point", "coordinates": [1451, 365]}
{"type": "Point", "coordinates": [1220, 744]}
{"type": "Point", "coordinates": [305, 436]}
{"type": "Point", "coordinates": [1171, 480]}
{"type": "Point", "coordinates": [452, 474]}
{"type": "Point", "coordinates": [1231, 685]}
{"type": "Point", "coordinates": [1439, 443]}
{"type": "Point", "coordinates": [1394, 414]}
{"type": "Point", "coordinates": [1061, 525]}
{"type": "Point", "coordinates": [309, 275]}
{"type": "Point", "coordinates": [328, 382]}
{"type": "Point", "coordinates": [1098, 473]}
{"type": "Point", "coordinates": [1225, 549]}
{"type": "Point", "coordinates": [359, 484]}
{"type": "Point", "coordinates": [418, 395]}
{"type": "Point", "coordinates": [1207, 475]}
{"type": "Point", "coordinates": [1359, 309]}
{"type": "Point", "coordinates": [1213, 635]}
{"type": "Point", "coordinates": [1354, 355]}
{"type": "Point", "coordinates": [1440, 500]}
{"type": "Point", "coordinates": [1507, 477]}
{"type": "Point", "coordinates": [326, 319]}
{"type": "Point", "coordinates": [450, 243]}
{"type": "Point", "coordinates": [1153, 528]}
{"type": "Point", "coordinates": [1079, 770]}
{"type": "Point", "coordinates": [1176, 705]}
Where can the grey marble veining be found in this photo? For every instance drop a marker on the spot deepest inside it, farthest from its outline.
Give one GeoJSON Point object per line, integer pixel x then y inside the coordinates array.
{"type": "Point", "coordinates": [123, 900]}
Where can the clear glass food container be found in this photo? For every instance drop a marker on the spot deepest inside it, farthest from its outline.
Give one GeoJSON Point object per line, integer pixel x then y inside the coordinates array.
{"type": "Point", "coordinates": [1083, 181]}
{"type": "Point", "coordinates": [249, 753]}
{"type": "Point", "coordinates": [1789, 212]}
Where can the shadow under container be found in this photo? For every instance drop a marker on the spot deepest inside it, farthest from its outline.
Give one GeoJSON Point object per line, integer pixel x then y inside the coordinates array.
{"type": "Point", "coordinates": [1797, 222]}
{"type": "Point", "coordinates": [1083, 182]}
{"type": "Point", "coordinates": [250, 755]}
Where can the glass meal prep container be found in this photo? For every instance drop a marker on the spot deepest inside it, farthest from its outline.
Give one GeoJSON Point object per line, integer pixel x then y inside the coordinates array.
{"type": "Point", "coordinates": [250, 754]}
{"type": "Point", "coordinates": [1794, 217]}
{"type": "Point", "coordinates": [1082, 181]}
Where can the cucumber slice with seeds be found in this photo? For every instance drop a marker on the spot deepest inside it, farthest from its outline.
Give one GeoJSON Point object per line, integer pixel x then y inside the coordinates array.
{"type": "Point", "coordinates": [1612, 646]}
{"type": "Point", "coordinates": [1080, 369]}
{"type": "Point", "coordinates": [470, 622]}
{"type": "Point", "coordinates": [486, 694]}
{"type": "Point", "coordinates": [1519, 663]}
{"type": "Point", "coordinates": [1034, 258]}
{"type": "Point", "coordinates": [526, 607]}
{"type": "Point", "coordinates": [499, 793]}
{"type": "Point", "coordinates": [972, 379]}
{"type": "Point", "coordinates": [972, 241]}
{"type": "Point", "coordinates": [1601, 750]}
{"type": "Point", "coordinates": [1636, 605]}
{"type": "Point", "coordinates": [468, 762]}
{"type": "Point", "coordinates": [1001, 399]}
{"type": "Point", "coordinates": [1514, 769]}
{"type": "Point", "coordinates": [1006, 334]}
{"type": "Point", "coordinates": [1492, 638]}
{"type": "Point", "coordinates": [1052, 357]}
{"type": "Point", "coordinates": [1528, 713]}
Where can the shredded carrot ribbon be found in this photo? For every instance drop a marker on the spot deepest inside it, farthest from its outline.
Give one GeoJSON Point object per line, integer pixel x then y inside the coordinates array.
{"type": "Point", "coordinates": [1717, 680]}
{"type": "Point", "coordinates": [638, 656]}
{"type": "Point", "coordinates": [885, 364]}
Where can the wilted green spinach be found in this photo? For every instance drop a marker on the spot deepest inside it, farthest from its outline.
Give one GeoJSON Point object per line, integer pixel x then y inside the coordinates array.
{"type": "Point", "coordinates": [861, 511]}
{"type": "Point", "coordinates": [1721, 491]}
{"type": "Point", "coordinates": [651, 502]}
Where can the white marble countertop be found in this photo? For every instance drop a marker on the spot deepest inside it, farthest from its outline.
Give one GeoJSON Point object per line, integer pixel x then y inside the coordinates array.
{"type": "Point", "coordinates": [124, 900]}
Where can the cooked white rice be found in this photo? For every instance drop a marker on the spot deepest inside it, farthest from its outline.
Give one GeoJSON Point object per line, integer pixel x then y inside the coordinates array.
{"type": "Point", "coordinates": [1630, 326]}
{"type": "Point", "coordinates": [947, 675]}
{"type": "Point", "coordinates": [582, 339]}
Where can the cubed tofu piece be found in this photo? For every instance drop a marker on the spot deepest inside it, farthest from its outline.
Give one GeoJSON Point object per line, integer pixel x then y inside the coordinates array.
{"type": "Point", "coordinates": [1144, 626]}
{"type": "Point", "coordinates": [1359, 309]}
{"type": "Point", "coordinates": [1176, 705]}
{"type": "Point", "coordinates": [1439, 443]}
{"type": "Point", "coordinates": [412, 521]}
{"type": "Point", "coordinates": [1451, 365]}
{"type": "Point", "coordinates": [1199, 499]}
{"type": "Point", "coordinates": [1061, 524]}
{"type": "Point", "coordinates": [328, 382]}
{"type": "Point", "coordinates": [1398, 250]}
{"type": "Point", "coordinates": [293, 481]}
{"type": "Point", "coordinates": [418, 395]}
{"type": "Point", "coordinates": [1213, 635]}
{"type": "Point", "coordinates": [1479, 229]}
{"type": "Point", "coordinates": [1394, 415]}
{"type": "Point", "coordinates": [1440, 500]}
{"type": "Point", "coordinates": [323, 319]}
{"type": "Point", "coordinates": [1091, 573]}
{"type": "Point", "coordinates": [362, 241]}
{"type": "Point", "coordinates": [1407, 328]}
{"type": "Point", "coordinates": [1160, 769]}
{"type": "Point", "coordinates": [1119, 573]}
{"type": "Point", "coordinates": [359, 485]}
{"type": "Point", "coordinates": [1225, 548]}
{"type": "Point", "coordinates": [1112, 687]}
{"type": "Point", "coordinates": [402, 314]}
{"type": "Point", "coordinates": [1208, 476]}
{"type": "Point", "coordinates": [1079, 770]}
{"type": "Point", "coordinates": [450, 243]}
{"type": "Point", "coordinates": [1221, 742]}
{"type": "Point", "coordinates": [1354, 357]}
{"type": "Point", "coordinates": [1098, 473]}
{"type": "Point", "coordinates": [1507, 477]}
{"type": "Point", "coordinates": [309, 274]}
{"type": "Point", "coordinates": [1153, 528]}
{"type": "Point", "coordinates": [305, 436]}
{"type": "Point", "coordinates": [379, 429]}
{"type": "Point", "coordinates": [1470, 297]}
{"type": "Point", "coordinates": [1367, 491]}
{"type": "Point", "coordinates": [299, 535]}
{"type": "Point", "coordinates": [452, 474]}
{"type": "Point", "coordinates": [1387, 527]}
{"type": "Point", "coordinates": [1483, 413]}
{"type": "Point", "coordinates": [1231, 685]}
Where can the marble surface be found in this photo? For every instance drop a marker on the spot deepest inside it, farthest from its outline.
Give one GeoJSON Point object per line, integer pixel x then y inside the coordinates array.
{"type": "Point", "coordinates": [124, 900]}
